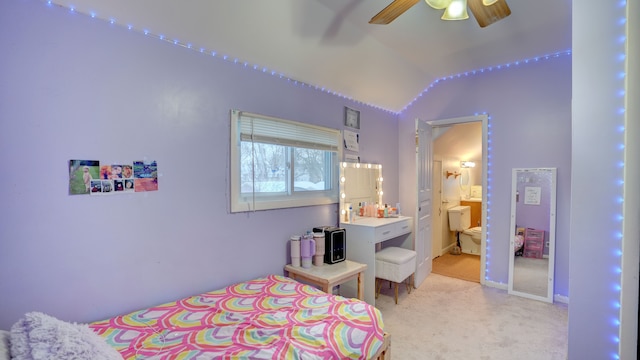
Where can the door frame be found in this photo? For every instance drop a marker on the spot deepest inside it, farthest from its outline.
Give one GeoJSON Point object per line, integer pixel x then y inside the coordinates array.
{"type": "Point", "coordinates": [486, 194]}
{"type": "Point", "coordinates": [436, 198]}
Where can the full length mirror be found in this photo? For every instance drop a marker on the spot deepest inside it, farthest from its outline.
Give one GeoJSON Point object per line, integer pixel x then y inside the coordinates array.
{"type": "Point", "coordinates": [359, 183]}
{"type": "Point", "coordinates": [533, 223]}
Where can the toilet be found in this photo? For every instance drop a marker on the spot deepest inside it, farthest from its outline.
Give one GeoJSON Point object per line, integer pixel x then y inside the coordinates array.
{"type": "Point", "coordinates": [470, 238]}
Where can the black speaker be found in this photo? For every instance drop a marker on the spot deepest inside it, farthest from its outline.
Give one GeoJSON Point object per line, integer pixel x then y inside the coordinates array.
{"type": "Point", "coordinates": [335, 243]}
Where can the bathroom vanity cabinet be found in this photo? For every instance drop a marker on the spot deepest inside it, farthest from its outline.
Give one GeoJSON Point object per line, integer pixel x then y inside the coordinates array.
{"type": "Point", "coordinates": [476, 211]}
{"type": "Point", "coordinates": [363, 236]}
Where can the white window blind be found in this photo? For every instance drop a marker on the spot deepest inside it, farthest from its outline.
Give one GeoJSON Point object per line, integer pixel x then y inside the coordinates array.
{"type": "Point", "coordinates": [263, 129]}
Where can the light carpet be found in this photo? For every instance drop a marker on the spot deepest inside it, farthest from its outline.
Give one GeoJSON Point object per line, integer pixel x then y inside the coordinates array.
{"type": "Point", "coordinates": [451, 319]}
{"type": "Point", "coordinates": [463, 266]}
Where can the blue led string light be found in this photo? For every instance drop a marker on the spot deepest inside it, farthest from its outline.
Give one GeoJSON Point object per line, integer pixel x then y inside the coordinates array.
{"type": "Point", "coordinates": [488, 205]}
{"type": "Point", "coordinates": [265, 70]}
{"type": "Point", "coordinates": [618, 234]}
{"type": "Point", "coordinates": [489, 145]}
{"type": "Point", "coordinates": [489, 69]}
{"type": "Point", "coordinates": [236, 61]}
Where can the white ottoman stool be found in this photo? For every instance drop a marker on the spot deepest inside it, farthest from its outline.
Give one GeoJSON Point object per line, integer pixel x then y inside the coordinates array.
{"type": "Point", "coordinates": [395, 264]}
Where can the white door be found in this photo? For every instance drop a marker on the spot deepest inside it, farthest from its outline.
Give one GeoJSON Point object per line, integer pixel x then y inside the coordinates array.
{"type": "Point", "coordinates": [424, 162]}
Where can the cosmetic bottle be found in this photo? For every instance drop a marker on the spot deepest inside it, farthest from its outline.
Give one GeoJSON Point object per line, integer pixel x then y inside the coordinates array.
{"type": "Point", "coordinates": [345, 216]}
{"type": "Point", "coordinates": [386, 210]}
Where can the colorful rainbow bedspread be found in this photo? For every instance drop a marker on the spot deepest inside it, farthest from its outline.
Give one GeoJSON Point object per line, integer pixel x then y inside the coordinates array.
{"type": "Point", "coordinates": [268, 318]}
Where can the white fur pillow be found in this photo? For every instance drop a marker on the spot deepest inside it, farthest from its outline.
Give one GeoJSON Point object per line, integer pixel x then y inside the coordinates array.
{"type": "Point", "coordinates": [4, 345]}
{"type": "Point", "coordinates": [38, 336]}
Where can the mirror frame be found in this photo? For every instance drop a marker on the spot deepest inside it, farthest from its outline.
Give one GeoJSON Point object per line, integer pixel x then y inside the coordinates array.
{"type": "Point", "coordinates": [343, 180]}
{"type": "Point", "coordinates": [552, 233]}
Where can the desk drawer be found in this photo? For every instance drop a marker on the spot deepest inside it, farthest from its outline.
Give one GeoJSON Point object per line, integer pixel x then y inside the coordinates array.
{"type": "Point", "coordinates": [533, 245]}
{"type": "Point", "coordinates": [534, 234]}
{"type": "Point", "coordinates": [403, 227]}
{"type": "Point", "coordinates": [389, 231]}
{"type": "Point", "coordinates": [385, 232]}
{"type": "Point", "coordinates": [537, 254]}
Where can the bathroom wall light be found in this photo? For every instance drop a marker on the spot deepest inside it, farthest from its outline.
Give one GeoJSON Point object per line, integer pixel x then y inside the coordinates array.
{"type": "Point", "coordinates": [467, 164]}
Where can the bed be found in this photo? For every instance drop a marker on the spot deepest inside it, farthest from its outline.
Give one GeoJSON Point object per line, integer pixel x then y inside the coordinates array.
{"type": "Point", "coordinates": [274, 317]}
{"type": "Point", "coordinates": [268, 318]}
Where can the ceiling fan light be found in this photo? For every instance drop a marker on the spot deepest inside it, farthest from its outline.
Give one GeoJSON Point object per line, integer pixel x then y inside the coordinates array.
{"type": "Point", "coordinates": [438, 4]}
{"type": "Point", "coordinates": [457, 10]}
{"type": "Point", "coordinates": [489, 2]}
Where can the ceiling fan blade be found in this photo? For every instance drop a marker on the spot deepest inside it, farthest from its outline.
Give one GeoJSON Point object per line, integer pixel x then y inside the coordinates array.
{"type": "Point", "coordinates": [487, 15]}
{"type": "Point", "coordinates": [392, 11]}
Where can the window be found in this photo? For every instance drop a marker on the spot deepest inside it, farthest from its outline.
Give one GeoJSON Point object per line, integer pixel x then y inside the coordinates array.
{"type": "Point", "coordinates": [279, 163]}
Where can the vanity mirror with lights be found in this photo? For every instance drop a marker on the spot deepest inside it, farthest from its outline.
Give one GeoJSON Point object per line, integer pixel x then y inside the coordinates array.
{"type": "Point", "coordinates": [533, 223]}
{"type": "Point", "coordinates": [359, 183]}
{"type": "Point", "coordinates": [363, 183]}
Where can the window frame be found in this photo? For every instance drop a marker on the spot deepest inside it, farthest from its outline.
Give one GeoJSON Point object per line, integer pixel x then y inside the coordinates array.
{"type": "Point", "coordinates": [256, 201]}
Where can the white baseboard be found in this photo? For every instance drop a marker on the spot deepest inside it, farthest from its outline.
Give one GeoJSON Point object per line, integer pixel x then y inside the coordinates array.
{"type": "Point", "coordinates": [561, 299]}
{"type": "Point", "coordinates": [497, 285]}
{"type": "Point", "coordinates": [443, 251]}
{"type": "Point", "coordinates": [502, 286]}
{"type": "Point", "coordinates": [448, 249]}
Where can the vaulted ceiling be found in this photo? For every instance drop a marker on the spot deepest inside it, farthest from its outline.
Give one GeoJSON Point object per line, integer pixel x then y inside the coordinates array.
{"type": "Point", "coordinates": [330, 44]}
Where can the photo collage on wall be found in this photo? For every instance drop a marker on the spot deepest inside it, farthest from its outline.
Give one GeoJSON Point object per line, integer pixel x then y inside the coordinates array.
{"type": "Point", "coordinates": [89, 177]}
{"type": "Point", "coordinates": [351, 138]}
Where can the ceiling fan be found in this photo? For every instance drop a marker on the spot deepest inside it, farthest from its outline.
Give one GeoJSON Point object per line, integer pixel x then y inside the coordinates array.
{"type": "Point", "coordinates": [486, 12]}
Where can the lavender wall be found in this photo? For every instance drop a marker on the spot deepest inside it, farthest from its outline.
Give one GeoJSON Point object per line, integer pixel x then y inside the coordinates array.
{"type": "Point", "coordinates": [604, 232]}
{"type": "Point", "coordinates": [530, 117]}
{"type": "Point", "coordinates": [79, 88]}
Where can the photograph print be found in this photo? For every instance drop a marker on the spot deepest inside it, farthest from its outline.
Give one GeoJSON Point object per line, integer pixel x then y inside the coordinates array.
{"type": "Point", "coordinates": [81, 172]}
{"type": "Point", "coordinates": [145, 176]}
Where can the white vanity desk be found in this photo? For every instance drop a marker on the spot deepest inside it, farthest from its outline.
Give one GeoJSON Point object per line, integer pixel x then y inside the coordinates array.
{"type": "Point", "coordinates": [362, 236]}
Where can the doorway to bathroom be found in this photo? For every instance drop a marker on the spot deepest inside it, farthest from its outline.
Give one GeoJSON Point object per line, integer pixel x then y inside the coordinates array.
{"type": "Point", "coordinates": [458, 144]}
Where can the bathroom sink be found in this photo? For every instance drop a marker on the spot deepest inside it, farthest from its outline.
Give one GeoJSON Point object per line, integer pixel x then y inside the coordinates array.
{"type": "Point", "coordinates": [474, 199]}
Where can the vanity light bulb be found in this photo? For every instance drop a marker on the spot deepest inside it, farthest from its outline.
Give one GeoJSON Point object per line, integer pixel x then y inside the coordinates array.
{"type": "Point", "coordinates": [381, 192]}
{"type": "Point", "coordinates": [343, 195]}
{"type": "Point", "coordinates": [343, 179]}
{"type": "Point", "coordinates": [369, 166]}
{"type": "Point", "coordinates": [381, 179]}
{"type": "Point", "coordinates": [358, 165]}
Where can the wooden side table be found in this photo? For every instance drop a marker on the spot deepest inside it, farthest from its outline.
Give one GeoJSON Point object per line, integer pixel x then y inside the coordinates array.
{"type": "Point", "coordinates": [329, 275]}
